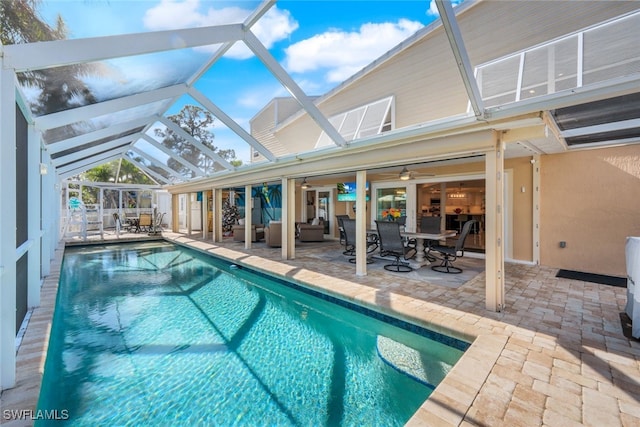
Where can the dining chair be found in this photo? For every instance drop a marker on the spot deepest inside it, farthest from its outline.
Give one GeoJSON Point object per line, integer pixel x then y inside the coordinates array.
{"type": "Point", "coordinates": [448, 254]}
{"type": "Point", "coordinates": [350, 241]}
{"type": "Point", "coordinates": [339, 219]}
{"type": "Point", "coordinates": [394, 245]}
{"type": "Point", "coordinates": [431, 225]}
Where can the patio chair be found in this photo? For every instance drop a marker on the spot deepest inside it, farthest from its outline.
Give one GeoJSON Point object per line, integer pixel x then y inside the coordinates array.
{"type": "Point", "coordinates": [145, 222]}
{"type": "Point", "coordinates": [448, 254]}
{"type": "Point", "coordinates": [339, 219]}
{"type": "Point", "coordinates": [393, 244]}
{"type": "Point", "coordinates": [273, 234]}
{"type": "Point", "coordinates": [430, 224]}
{"type": "Point", "coordinates": [311, 232]}
{"type": "Point", "coordinates": [257, 232]}
{"type": "Point", "coordinates": [402, 220]}
{"type": "Point", "coordinates": [158, 221]}
{"type": "Point", "coordinates": [350, 241]}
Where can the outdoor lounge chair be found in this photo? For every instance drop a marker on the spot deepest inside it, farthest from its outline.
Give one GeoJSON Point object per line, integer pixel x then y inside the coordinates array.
{"type": "Point", "coordinates": [257, 232]}
{"type": "Point", "coordinates": [311, 232]}
{"type": "Point", "coordinates": [393, 244]}
{"type": "Point", "coordinates": [448, 254]}
{"type": "Point", "coordinates": [273, 234]}
{"type": "Point", "coordinates": [350, 241]}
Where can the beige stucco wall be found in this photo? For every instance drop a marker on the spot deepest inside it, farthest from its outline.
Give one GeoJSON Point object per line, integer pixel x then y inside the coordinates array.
{"type": "Point", "coordinates": [591, 200]}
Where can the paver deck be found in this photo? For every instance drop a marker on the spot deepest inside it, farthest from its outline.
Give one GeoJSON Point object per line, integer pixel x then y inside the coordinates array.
{"type": "Point", "coordinates": [555, 356]}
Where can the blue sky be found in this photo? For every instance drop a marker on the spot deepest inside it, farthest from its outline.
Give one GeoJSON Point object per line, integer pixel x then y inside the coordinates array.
{"type": "Point", "coordinates": [320, 43]}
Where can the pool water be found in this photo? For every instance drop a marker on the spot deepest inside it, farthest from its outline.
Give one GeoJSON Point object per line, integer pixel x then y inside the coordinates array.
{"type": "Point", "coordinates": [156, 334]}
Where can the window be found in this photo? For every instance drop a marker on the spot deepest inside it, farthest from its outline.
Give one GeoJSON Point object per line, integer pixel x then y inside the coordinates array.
{"type": "Point", "coordinates": [367, 120]}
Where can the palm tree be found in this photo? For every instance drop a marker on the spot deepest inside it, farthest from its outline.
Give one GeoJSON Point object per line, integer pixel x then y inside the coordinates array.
{"type": "Point", "coordinates": [22, 24]}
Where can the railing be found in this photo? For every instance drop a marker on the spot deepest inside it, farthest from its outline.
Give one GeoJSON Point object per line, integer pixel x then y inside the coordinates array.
{"type": "Point", "coordinates": [602, 52]}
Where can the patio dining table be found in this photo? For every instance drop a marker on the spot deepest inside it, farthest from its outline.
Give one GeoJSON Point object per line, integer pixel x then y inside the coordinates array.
{"type": "Point", "coordinates": [419, 260]}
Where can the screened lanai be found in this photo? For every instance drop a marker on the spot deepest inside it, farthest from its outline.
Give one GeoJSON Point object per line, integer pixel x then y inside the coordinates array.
{"type": "Point", "coordinates": [544, 99]}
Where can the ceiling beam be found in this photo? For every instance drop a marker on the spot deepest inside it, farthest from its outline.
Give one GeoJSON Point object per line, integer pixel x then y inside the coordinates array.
{"type": "Point", "coordinates": [155, 160]}
{"type": "Point", "coordinates": [230, 123]}
{"type": "Point", "coordinates": [88, 112]}
{"type": "Point", "coordinates": [115, 130]}
{"type": "Point", "coordinates": [285, 79]}
{"type": "Point", "coordinates": [203, 148]}
{"type": "Point", "coordinates": [82, 166]}
{"type": "Point", "coordinates": [248, 23]}
{"type": "Point", "coordinates": [116, 150]}
{"type": "Point", "coordinates": [81, 154]}
{"type": "Point", "coordinates": [450, 24]}
{"type": "Point", "coordinates": [154, 176]}
{"type": "Point", "coordinates": [51, 54]}
{"type": "Point", "coordinates": [170, 153]}
{"type": "Point", "coordinates": [158, 163]}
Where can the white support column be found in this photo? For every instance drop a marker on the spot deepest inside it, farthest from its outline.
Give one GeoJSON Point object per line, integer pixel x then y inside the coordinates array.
{"type": "Point", "coordinates": [48, 195]}
{"type": "Point", "coordinates": [7, 228]}
{"type": "Point", "coordinates": [248, 201]}
{"type": "Point", "coordinates": [205, 216]}
{"type": "Point", "coordinates": [412, 208]}
{"type": "Point", "coordinates": [288, 218]}
{"type": "Point", "coordinates": [56, 226]}
{"type": "Point", "coordinates": [175, 213]}
{"type": "Point", "coordinates": [33, 217]}
{"type": "Point", "coordinates": [536, 208]}
{"type": "Point", "coordinates": [361, 223]}
{"type": "Point", "coordinates": [443, 206]}
{"type": "Point", "coordinates": [494, 257]}
{"type": "Point", "coordinates": [217, 215]}
{"type": "Point", "coordinates": [187, 208]}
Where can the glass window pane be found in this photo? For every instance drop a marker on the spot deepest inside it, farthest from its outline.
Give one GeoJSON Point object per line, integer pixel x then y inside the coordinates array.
{"type": "Point", "coordinates": [391, 203]}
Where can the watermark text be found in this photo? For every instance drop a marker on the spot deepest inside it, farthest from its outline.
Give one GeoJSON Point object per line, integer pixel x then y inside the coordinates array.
{"type": "Point", "coordinates": [39, 414]}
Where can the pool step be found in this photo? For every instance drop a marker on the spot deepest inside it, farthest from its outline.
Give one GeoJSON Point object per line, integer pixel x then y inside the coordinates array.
{"type": "Point", "coordinates": [410, 362]}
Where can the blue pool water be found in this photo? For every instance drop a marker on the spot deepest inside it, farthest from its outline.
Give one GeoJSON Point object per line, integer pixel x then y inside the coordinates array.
{"type": "Point", "coordinates": [157, 334]}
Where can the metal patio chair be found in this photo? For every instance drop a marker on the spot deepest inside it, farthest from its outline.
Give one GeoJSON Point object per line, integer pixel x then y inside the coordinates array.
{"type": "Point", "coordinates": [448, 254]}
{"type": "Point", "coordinates": [393, 244]}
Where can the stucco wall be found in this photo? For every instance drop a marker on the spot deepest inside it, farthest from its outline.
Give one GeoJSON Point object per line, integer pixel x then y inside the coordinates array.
{"type": "Point", "coordinates": [591, 200]}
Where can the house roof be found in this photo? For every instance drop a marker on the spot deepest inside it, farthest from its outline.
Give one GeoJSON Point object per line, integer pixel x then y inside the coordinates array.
{"type": "Point", "coordinates": [595, 107]}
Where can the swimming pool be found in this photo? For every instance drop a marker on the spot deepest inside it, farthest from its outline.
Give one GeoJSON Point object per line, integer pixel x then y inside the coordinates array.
{"type": "Point", "coordinates": [156, 334]}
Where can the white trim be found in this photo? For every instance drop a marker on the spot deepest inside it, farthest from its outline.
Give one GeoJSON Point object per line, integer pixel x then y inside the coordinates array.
{"type": "Point", "coordinates": [88, 112]}
{"type": "Point", "coordinates": [36, 56]}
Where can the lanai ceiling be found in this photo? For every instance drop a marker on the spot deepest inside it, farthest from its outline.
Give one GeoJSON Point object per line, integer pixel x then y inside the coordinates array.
{"type": "Point", "coordinates": [593, 100]}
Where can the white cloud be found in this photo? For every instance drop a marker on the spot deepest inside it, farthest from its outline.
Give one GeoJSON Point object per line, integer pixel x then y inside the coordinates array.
{"type": "Point", "coordinates": [343, 53]}
{"type": "Point", "coordinates": [433, 9]}
{"type": "Point", "coordinates": [274, 26]}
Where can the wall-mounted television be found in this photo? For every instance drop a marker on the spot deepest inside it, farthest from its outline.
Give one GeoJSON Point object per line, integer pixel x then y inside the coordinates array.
{"type": "Point", "coordinates": [347, 191]}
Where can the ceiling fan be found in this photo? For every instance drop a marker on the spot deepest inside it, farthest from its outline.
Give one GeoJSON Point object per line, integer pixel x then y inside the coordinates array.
{"type": "Point", "coordinates": [305, 184]}
{"type": "Point", "coordinates": [405, 174]}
